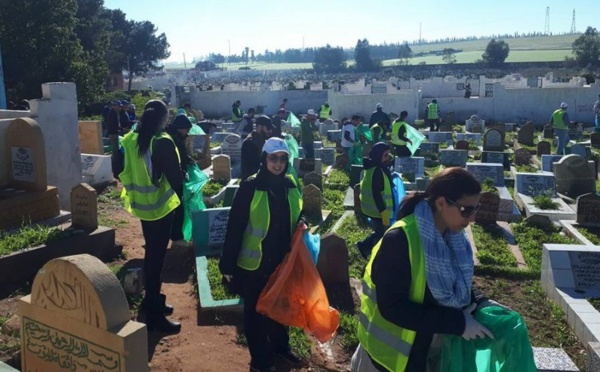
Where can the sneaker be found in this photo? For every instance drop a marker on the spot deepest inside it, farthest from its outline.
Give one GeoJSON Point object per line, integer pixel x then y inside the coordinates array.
{"type": "Point", "coordinates": [289, 357]}
{"type": "Point", "coordinates": [181, 244]}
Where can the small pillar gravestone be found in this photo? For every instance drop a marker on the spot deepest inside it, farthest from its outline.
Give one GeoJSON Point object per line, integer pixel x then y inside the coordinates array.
{"type": "Point", "coordinates": [461, 145]}
{"type": "Point", "coordinates": [543, 148]}
{"type": "Point", "coordinates": [488, 210]}
{"type": "Point", "coordinates": [77, 318]}
{"type": "Point", "coordinates": [333, 260]}
{"type": "Point", "coordinates": [312, 203]}
{"type": "Point", "coordinates": [313, 178]}
{"type": "Point", "coordinates": [90, 137]}
{"type": "Point", "coordinates": [575, 176]}
{"type": "Point", "coordinates": [493, 140]}
{"type": "Point", "coordinates": [525, 134]}
{"type": "Point", "coordinates": [588, 207]}
{"type": "Point", "coordinates": [522, 157]}
{"type": "Point", "coordinates": [230, 192]}
{"type": "Point", "coordinates": [222, 167]}
{"type": "Point", "coordinates": [84, 207]}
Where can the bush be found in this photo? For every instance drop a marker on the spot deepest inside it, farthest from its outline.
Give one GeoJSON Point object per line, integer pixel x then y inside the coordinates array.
{"type": "Point", "coordinates": [544, 202]}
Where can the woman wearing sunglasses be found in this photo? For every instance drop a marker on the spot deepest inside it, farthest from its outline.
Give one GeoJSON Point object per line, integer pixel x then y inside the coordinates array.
{"type": "Point", "coordinates": [264, 215]}
{"type": "Point", "coordinates": [418, 282]}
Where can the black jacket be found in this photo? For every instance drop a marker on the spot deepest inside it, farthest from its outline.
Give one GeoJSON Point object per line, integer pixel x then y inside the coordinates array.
{"type": "Point", "coordinates": [277, 241]}
{"type": "Point", "coordinates": [391, 274]}
{"type": "Point", "coordinates": [251, 151]}
{"type": "Point", "coordinates": [380, 117]}
{"type": "Point", "coordinates": [180, 143]}
{"type": "Point", "coordinates": [164, 162]}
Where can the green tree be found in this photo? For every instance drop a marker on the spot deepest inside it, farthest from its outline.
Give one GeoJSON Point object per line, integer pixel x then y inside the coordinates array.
{"type": "Point", "coordinates": [496, 52]}
{"type": "Point", "coordinates": [449, 55]}
{"type": "Point", "coordinates": [362, 57]}
{"type": "Point", "coordinates": [329, 60]}
{"type": "Point", "coordinates": [144, 49]}
{"type": "Point", "coordinates": [586, 48]}
{"type": "Point", "coordinates": [405, 53]}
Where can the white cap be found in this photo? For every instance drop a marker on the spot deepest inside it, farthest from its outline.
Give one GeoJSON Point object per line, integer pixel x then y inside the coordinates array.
{"type": "Point", "coordinates": [311, 112]}
{"type": "Point", "coordinates": [563, 105]}
{"type": "Point", "coordinates": [275, 145]}
{"type": "Point", "coordinates": [378, 105]}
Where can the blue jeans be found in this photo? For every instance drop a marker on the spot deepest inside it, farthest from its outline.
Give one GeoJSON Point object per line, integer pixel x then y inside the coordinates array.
{"type": "Point", "coordinates": [563, 139]}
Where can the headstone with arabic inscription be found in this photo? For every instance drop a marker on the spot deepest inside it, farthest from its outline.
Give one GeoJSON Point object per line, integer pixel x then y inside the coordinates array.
{"type": "Point", "coordinates": [209, 227]}
{"type": "Point", "coordinates": [77, 319]}
{"type": "Point", "coordinates": [588, 210]}
{"type": "Point", "coordinates": [493, 140]}
{"type": "Point", "coordinates": [312, 203]}
{"type": "Point", "coordinates": [26, 154]}
{"type": "Point", "coordinates": [487, 214]}
{"type": "Point", "coordinates": [454, 158]}
{"type": "Point", "coordinates": [232, 146]}
{"type": "Point", "coordinates": [84, 207]}
{"type": "Point", "coordinates": [575, 176]}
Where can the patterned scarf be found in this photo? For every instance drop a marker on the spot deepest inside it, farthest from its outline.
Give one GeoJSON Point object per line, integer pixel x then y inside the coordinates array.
{"type": "Point", "coordinates": [448, 260]}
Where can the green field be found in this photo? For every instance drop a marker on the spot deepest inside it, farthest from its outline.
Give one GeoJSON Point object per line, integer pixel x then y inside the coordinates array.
{"type": "Point", "coordinates": [526, 49]}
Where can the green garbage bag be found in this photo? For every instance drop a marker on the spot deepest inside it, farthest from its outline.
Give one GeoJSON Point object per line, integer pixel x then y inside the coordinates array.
{"type": "Point", "coordinates": [196, 130]}
{"type": "Point", "coordinates": [510, 350]}
{"type": "Point", "coordinates": [364, 132]}
{"type": "Point", "coordinates": [355, 154]}
{"type": "Point", "coordinates": [193, 200]}
{"type": "Point", "coordinates": [294, 153]}
{"type": "Point", "coordinates": [415, 136]}
{"type": "Point", "coordinates": [293, 120]}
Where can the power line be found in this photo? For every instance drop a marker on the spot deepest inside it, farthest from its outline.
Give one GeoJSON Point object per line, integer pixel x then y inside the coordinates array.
{"type": "Point", "coordinates": [547, 23]}
{"type": "Point", "coordinates": [573, 27]}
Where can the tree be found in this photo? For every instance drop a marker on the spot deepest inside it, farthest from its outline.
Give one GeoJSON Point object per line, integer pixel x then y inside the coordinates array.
{"type": "Point", "coordinates": [496, 52]}
{"type": "Point", "coordinates": [405, 53]}
{"type": "Point", "coordinates": [145, 49]}
{"type": "Point", "coordinates": [362, 56]}
{"type": "Point", "coordinates": [329, 60]}
{"type": "Point", "coordinates": [586, 48]}
{"type": "Point", "coordinates": [449, 55]}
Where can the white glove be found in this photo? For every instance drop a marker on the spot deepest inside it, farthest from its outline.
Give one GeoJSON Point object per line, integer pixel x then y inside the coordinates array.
{"type": "Point", "coordinates": [474, 329]}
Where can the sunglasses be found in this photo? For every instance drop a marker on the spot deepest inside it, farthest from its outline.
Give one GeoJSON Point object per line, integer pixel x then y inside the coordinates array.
{"type": "Point", "coordinates": [274, 159]}
{"type": "Point", "coordinates": [465, 212]}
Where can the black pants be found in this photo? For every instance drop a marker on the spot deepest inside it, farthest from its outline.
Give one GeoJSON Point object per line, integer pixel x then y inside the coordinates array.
{"type": "Point", "coordinates": [434, 125]}
{"type": "Point", "coordinates": [264, 335]}
{"type": "Point", "coordinates": [177, 228]}
{"type": "Point", "coordinates": [402, 151]}
{"type": "Point", "coordinates": [156, 234]}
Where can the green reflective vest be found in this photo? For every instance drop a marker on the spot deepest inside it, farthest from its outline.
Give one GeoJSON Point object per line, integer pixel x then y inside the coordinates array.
{"type": "Point", "coordinates": [377, 133]}
{"type": "Point", "coordinates": [142, 198]}
{"type": "Point", "coordinates": [387, 343]}
{"type": "Point", "coordinates": [432, 111]}
{"type": "Point", "coordinates": [367, 202]}
{"type": "Point", "coordinates": [324, 112]}
{"type": "Point", "coordinates": [258, 225]}
{"type": "Point", "coordinates": [237, 115]}
{"type": "Point", "coordinates": [557, 119]}
{"type": "Point", "coordinates": [395, 129]}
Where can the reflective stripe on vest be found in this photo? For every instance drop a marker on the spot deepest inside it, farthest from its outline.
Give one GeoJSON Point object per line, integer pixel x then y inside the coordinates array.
{"type": "Point", "coordinates": [395, 129]}
{"type": "Point", "coordinates": [258, 225]}
{"type": "Point", "coordinates": [557, 119]}
{"type": "Point", "coordinates": [324, 112]}
{"type": "Point", "coordinates": [432, 111]}
{"type": "Point", "coordinates": [367, 202]}
{"type": "Point", "coordinates": [142, 198]}
{"type": "Point", "coordinates": [387, 343]}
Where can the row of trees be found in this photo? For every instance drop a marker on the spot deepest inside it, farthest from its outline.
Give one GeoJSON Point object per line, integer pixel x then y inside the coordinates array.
{"type": "Point", "coordinates": [73, 40]}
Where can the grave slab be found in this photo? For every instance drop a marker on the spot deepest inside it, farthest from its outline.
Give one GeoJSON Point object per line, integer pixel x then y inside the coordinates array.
{"type": "Point", "coordinates": [483, 171]}
{"type": "Point", "coordinates": [96, 169]}
{"type": "Point", "coordinates": [454, 158]}
{"type": "Point", "coordinates": [204, 294]}
{"type": "Point", "coordinates": [553, 360]}
{"type": "Point", "coordinates": [208, 230]}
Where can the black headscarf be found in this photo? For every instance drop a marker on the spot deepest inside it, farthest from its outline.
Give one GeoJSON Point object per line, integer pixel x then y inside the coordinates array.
{"type": "Point", "coordinates": [375, 155]}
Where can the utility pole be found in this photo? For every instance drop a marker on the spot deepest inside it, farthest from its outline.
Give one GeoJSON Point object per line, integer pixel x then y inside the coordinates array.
{"type": "Point", "coordinates": [184, 64]}
{"type": "Point", "coordinates": [547, 23]}
{"type": "Point", "coordinates": [573, 27]}
{"type": "Point", "coordinates": [420, 29]}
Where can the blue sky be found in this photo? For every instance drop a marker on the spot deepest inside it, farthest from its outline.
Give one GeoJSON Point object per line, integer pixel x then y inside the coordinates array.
{"type": "Point", "coordinates": [198, 27]}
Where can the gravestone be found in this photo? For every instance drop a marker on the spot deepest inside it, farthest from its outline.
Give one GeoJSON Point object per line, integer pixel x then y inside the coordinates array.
{"type": "Point", "coordinates": [445, 127]}
{"type": "Point", "coordinates": [333, 260]}
{"type": "Point", "coordinates": [588, 210]}
{"type": "Point", "coordinates": [532, 184]}
{"type": "Point", "coordinates": [522, 157]}
{"type": "Point", "coordinates": [548, 131]}
{"type": "Point", "coordinates": [326, 126]}
{"type": "Point", "coordinates": [96, 169]}
{"type": "Point", "coordinates": [209, 227]}
{"type": "Point", "coordinates": [414, 165]}
{"type": "Point", "coordinates": [304, 166]}
{"type": "Point", "coordinates": [483, 171]}
{"type": "Point", "coordinates": [543, 148]}
{"type": "Point", "coordinates": [230, 192]}
{"type": "Point", "coordinates": [500, 127]}
{"type": "Point", "coordinates": [312, 203]}
{"type": "Point", "coordinates": [90, 137]}
{"type": "Point", "coordinates": [428, 149]}
{"type": "Point", "coordinates": [232, 146]}
{"type": "Point", "coordinates": [334, 135]}
{"type": "Point", "coordinates": [474, 124]}
{"type": "Point", "coordinates": [26, 152]}
{"type": "Point", "coordinates": [326, 154]}
{"type": "Point", "coordinates": [454, 158]}
{"type": "Point", "coordinates": [221, 167]}
{"type": "Point", "coordinates": [77, 319]}
{"type": "Point", "coordinates": [440, 137]}
{"type": "Point", "coordinates": [493, 140]}
{"type": "Point", "coordinates": [548, 162]}
{"type": "Point", "coordinates": [462, 145]}
{"type": "Point", "coordinates": [575, 176]}
{"type": "Point", "coordinates": [525, 134]}
{"type": "Point", "coordinates": [487, 214]}
{"type": "Point", "coordinates": [341, 161]}
{"type": "Point", "coordinates": [355, 171]}
{"type": "Point", "coordinates": [586, 269]}
{"type": "Point", "coordinates": [199, 142]}
{"type": "Point", "coordinates": [473, 137]}
{"type": "Point", "coordinates": [539, 220]}
{"type": "Point", "coordinates": [84, 207]}
{"type": "Point", "coordinates": [496, 158]}
{"type": "Point", "coordinates": [578, 149]}
{"type": "Point", "coordinates": [313, 178]}
{"type": "Point", "coordinates": [595, 140]}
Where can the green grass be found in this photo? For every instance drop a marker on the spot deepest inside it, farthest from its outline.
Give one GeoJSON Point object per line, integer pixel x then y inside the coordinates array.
{"type": "Point", "coordinates": [213, 187]}
{"type": "Point", "coordinates": [299, 343]}
{"type": "Point", "coordinates": [354, 231]}
{"type": "Point", "coordinates": [544, 202]}
{"type": "Point", "coordinates": [526, 168]}
{"type": "Point", "coordinates": [592, 234]}
{"type": "Point", "coordinates": [29, 236]}
{"type": "Point", "coordinates": [339, 179]}
{"type": "Point", "coordinates": [530, 240]}
{"type": "Point", "coordinates": [217, 289]}
{"type": "Point", "coordinates": [492, 248]}
{"type": "Point", "coordinates": [348, 330]}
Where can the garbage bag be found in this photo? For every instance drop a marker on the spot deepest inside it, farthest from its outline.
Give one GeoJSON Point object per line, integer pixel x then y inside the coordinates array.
{"type": "Point", "coordinates": [196, 130]}
{"type": "Point", "coordinates": [294, 153]}
{"type": "Point", "coordinates": [365, 132]}
{"type": "Point", "coordinates": [398, 193]}
{"type": "Point", "coordinates": [313, 244]}
{"type": "Point", "coordinates": [295, 295]}
{"type": "Point", "coordinates": [355, 154]}
{"type": "Point", "coordinates": [415, 136]}
{"type": "Point", "coordinates": [193, 200]}
{"type": "Point", "coordinates": [293, 120]}
{"type": "Point", "coordinates": [510, 350]}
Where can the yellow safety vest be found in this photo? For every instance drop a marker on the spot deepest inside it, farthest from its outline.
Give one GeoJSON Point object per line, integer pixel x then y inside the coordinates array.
{"type": "Point", "coordinates": [377, 132]}
{"type": "Point", "coordinates": [324, 113]}
{"type": "Point", "coordinates": [387, 343]}
{"type": "Point", "coordinates": [395, 129]}
{"type": "Point", "coordinates": [258, 225]}
{"type": "Point", "coordinates": [432, 111]}
{"type": "Point", "coordinates": [367, 202]}
{"type": "Point", "coordinates": [236, 118]}
{"type": "Point", "coordinates": [142, 198]}
{"type": "Point", "coordinates": [557, 119]}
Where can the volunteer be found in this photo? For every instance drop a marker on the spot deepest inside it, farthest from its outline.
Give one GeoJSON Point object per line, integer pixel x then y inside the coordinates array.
{"type": "Point", "coordinates": [560, 123]}
{"type": "Point", "coordinates": [399, 138]}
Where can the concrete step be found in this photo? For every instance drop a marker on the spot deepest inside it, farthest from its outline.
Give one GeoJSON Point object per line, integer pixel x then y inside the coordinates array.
{"type": "Point", "coordinates": [552, 360]}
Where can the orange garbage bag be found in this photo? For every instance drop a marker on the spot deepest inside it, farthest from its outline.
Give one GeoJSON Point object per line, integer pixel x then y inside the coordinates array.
{"type": "Point", "coordinates": [295, 295]}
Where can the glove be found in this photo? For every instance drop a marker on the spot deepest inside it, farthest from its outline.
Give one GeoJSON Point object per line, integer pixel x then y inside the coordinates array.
{"type": "Point", "coordinates": [385, 218]}
{"type": "Point", "coordinates": [474, 329]}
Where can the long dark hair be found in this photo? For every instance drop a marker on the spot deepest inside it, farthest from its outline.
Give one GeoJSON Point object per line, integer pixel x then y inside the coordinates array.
{"type": "Point", "coordinates": [154, 115]}
{"type": "Point", "coordinates": [452, 183]}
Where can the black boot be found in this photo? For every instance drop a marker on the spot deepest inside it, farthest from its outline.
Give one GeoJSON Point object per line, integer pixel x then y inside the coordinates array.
{"type": "Point", "coordinates": [159, 323]}
{"type": "Point", "coordinates": [167, 309]}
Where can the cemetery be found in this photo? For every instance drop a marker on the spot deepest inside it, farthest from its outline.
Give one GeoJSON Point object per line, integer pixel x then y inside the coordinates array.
{"type": "Point", "coordinates": [71, 257]}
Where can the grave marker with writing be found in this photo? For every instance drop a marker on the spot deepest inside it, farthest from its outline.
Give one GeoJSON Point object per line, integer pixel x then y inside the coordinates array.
{"type": "Point", "coordinates": [414, 165]}
{"type": "Point", "coordinates": [440, 137]}
{"type": "Point", "coordinates": [548, 162]}
{"type": "Point", "coordinates": [496, 157]}
{"type": "Point", "coordinates": [454, 158]}
{"type": "Point", "coordinates": [221, 167]}
{"type": "Point", "coordinates": [543, 148]}
{"type": "Point", "coordinates": [493, 140]}
{"type": "Point", "coordinates": [483, 171]}
{"type": "Point", "coordinates": [474, 137]}
{"type": "Point", "coordinates": [588, 210]}
{"type": "Point", "coordinates": [312, 202]}
{"type": "Point", "coordinates": [209, 227]}
{"type": "Point", "coordinates": [326, 154]}
{"type": "Point", "coordinates": [232, 146]}
{"type": "Point", "coordinates": [487, 214]}
{"type": "Point", "coordinates": [532, 184]}
{"type": "Point", "coordinates": [84, 207]}
{"type": "Point", "coordinates": [575, 176]}
{"type": "Point", "coordinates": [586, 269]}
{"type": "Point", "coordinates": [26, 152]}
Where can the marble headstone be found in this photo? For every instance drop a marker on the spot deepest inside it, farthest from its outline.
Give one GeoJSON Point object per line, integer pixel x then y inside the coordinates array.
{"type": "Point", "coordinates": [493, 140]}
{"type": "Point", "coordinates": [454, 158]}
{"type": "Point", "coordinates": [588, 210]}
{"type": "Point", "coordinates": [575, 176]}
{"type": "Point", "coordinates": [483, 171]}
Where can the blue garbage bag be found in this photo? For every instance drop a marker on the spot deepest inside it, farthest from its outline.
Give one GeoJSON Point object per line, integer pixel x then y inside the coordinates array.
{"type": "Point", "coordinates": [398, 193]}
{"type": "Point", "coordinates": [313, 243]}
